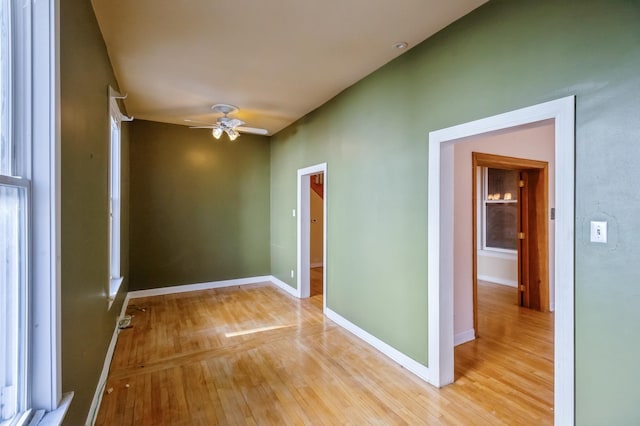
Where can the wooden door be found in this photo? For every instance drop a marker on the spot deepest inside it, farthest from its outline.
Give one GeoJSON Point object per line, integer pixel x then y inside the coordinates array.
{"type": "Point", "coordinates": [533, 258]}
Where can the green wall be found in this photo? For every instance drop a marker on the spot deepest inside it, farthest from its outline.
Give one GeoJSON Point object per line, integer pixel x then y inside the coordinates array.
{"type": "Point", "coordinates": [87, 325]}
{"type": "Point", "coordinates": [199, 206]}
{"type": "Point", "coordinates": [505, 55]}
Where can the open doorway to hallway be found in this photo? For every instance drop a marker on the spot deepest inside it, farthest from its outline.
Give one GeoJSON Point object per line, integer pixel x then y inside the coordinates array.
{"type": "Point", "coordinates": [443, 271]}
{"type": "Point", "coordinates": [501, 267]}
{"type": "Point", "coordinates": [312, 233]}
{"type": "Point", "coordinates": [316, 238]}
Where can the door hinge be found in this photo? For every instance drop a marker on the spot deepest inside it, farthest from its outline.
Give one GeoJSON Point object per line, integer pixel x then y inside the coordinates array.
{"type": "Point", "coordinates": [521, 287]}
{"type": "Point", "coordinates": [521, 235]}
{"type": "Point", "coordinates": [521, 184]}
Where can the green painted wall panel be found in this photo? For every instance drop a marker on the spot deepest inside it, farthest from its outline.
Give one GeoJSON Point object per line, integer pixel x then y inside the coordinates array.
{"type": "Point", "coordinates": [87, 325]}
{"type": "Point", "coordinates": [199, 207]}
{"type": "Point", "coordinates": [503, 56]}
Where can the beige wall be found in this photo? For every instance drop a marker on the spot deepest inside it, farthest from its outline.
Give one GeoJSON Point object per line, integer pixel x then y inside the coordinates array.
{"type": "Point", "coordinates": [317, 226]}
{"type": "Point", "coordinates": [530, 142]}
{"type": "Point", "coordinates": [498, 268]}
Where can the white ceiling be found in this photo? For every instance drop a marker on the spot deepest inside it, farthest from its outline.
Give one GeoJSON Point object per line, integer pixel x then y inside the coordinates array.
{"type": "Point", "coordinates": [277, 60]}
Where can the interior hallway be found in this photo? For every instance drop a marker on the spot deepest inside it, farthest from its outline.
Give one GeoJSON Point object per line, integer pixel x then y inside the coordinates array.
{"type": "Point", "coordinates": [255, 355]}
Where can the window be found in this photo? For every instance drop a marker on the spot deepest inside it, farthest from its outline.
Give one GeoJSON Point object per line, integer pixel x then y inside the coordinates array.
{"type": "Point", "coordinates": [29, 215]}
{"type": "Point", "coordinates": [500, 209]}
{"type": "Point", "coordinates": [115, 176]}
{"type": "Point", "coordinates": [14, 243]}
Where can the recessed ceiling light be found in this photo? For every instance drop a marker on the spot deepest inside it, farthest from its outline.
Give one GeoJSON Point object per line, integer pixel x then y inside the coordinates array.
{"type": "Point", "coordinates": [401, 45]}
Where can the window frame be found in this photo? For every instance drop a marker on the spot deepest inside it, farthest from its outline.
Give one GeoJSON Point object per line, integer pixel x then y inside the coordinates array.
{"type": "Point", "coordinates": [36, 128]}
{"type": "Point", "coordinates": [18, 176]}
{"type": "Point", "coordinates": [116, 117]}
{"type": "Point", "coordinates": [19, 310]}
{"type": "Point", "coordinates": [483, 214]}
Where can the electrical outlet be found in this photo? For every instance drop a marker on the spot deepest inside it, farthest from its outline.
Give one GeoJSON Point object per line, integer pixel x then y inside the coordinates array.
{"type": "Point", "coordinates": [598, 232]}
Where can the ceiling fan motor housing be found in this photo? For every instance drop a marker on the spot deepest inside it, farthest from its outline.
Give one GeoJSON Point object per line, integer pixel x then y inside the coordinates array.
{"type": "Point", "coordinates": [224, 108]}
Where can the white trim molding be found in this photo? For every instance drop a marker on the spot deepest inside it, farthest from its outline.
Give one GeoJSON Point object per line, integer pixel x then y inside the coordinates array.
{"type": "Point", "coordinates": [102, 381]}
{"type": "Point", "coordinates": [497, 280]}
{"type": "Point", "coordinates": [464, 337]}
{"type": "Point", "coordinates": [498, 254]}
{"type": "Point", "coordinates": [284, 286]}
{"type": "Point", "coordinates": [440, 242]}
{"type": "Point", "coordinates": [303, 220]}
{"type": "Point", "coordinates": [42, 101]}
{"type": "Point", "coordinates": [196, 287]}
{"type": "Point", "coordinates": [405, 361]}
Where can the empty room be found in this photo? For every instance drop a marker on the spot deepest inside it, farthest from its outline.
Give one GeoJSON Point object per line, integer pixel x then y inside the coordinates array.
{"type": "Point", "coordinates": [319, 212]}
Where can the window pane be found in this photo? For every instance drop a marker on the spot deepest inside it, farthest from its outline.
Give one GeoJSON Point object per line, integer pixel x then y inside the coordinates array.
{"type": "Point", "coordinates": [114, 206]}
{"type": "Point", "coordinates": [6, 154]}
{"type": "Point", "coordinates": [502, 184]}
{"type": "Point", "coordinates": [502, 223]}
{"type": "Point", "coordinates": [13, 287]}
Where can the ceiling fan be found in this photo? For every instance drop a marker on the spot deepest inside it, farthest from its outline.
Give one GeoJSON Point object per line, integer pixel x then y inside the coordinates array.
{"type": "Point", "coordinates": [231, 126]}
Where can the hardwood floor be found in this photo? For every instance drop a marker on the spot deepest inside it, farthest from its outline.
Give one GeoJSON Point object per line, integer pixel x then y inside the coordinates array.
{"type": "Point", "coordinates": [513, 355]}
{"type": "Point", "coordinates": [255, 355]}
{"type": "Point", "coordinates": [316, 281]}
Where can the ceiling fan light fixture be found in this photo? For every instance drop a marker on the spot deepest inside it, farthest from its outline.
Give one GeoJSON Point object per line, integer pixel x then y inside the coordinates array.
{"type": "Point", "coordinates": [225, 124]}
{"type": "Point", "coordinates": [233, 134]}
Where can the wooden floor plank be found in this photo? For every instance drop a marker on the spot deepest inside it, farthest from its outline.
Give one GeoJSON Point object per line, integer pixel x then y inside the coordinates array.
{"type": "Point", "coordinates": [255, 355]}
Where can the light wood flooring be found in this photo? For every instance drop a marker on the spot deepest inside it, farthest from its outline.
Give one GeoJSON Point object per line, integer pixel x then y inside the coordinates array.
{"type": "Point", "coordinates": [255, 355]}
{"type": "Point", "coordinates": [316, 285]}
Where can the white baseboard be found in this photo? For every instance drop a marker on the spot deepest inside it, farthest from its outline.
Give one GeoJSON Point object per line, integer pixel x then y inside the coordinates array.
{"type": "Point", "coordinates": [497, 280]}
{"type": "Point", "coordinates": [464, 337]}
{"type": "Point", "coordinates": [195, 287]}
{"type": "Point", "coordinates": [284, 286]}
{"type": "Point", "coordinates": [102, 381]}
{"type": "Point", "coordinates": [410, 364]}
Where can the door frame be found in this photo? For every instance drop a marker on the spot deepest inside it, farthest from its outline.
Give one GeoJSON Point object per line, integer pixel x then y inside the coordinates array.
{"type": "Point", "coordinates": [479, 159]}
{"type": "Point", "coordinates": [440, 243]}
{"type": "Point", "coordinates": [304, 229]}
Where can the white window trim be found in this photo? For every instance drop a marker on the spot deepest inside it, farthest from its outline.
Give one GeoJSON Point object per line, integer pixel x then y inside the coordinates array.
{"type": "Point", "coordinates": [483, 215]}
{"type": "Point", "coordinates": [37, 121]}
{"type": "Point", "coordinates": [116, 117]}
{"type": "Point", "coordinates": [46, 391]}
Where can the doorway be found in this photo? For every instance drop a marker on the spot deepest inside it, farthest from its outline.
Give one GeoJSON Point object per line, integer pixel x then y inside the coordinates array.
{"type": "Point", "coordinates": [312, 231]}
{"type": "Point", "coordinates": [509, 213]}
{"type": "Point", "coordinates": [440, 242]}
{"type": "Point", "coordinates": [316, 228]}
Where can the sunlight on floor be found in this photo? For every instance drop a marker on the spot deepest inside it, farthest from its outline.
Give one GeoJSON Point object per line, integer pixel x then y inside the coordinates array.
{"type": "Point", "coordinates": [256, 330]}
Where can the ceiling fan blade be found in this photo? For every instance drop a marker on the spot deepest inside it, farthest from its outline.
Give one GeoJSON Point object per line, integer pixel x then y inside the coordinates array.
{"type": "Point", "coordinates": [253, 130]}
{"type": "Point", "coordinates": [198, 122]}
{"type": "Point", "coordinates": [204, 127]}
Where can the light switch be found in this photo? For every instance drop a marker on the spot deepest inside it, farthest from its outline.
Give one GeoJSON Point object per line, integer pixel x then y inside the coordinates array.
{"type": "Point", "coordinates": [598, 232]}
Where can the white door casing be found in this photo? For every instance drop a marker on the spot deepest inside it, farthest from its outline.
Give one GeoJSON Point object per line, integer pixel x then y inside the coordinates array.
{"type": "Point", "coordinates": [440, 243]}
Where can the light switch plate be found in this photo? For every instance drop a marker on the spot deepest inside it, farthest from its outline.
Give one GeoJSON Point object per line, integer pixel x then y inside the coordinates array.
{"type": "Point", "coordinates": [598, 232]}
